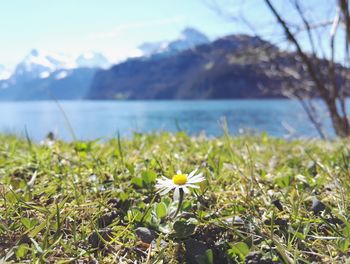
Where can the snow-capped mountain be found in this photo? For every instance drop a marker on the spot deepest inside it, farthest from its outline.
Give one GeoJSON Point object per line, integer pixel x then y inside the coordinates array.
{"type": "Point", "coordinates": [4, 73]}
{"type": "Point", "coordinates": [188, 39]}
{"type": "Point", "coordinates": [43, 76]}
{"type": "Point", "coordinates": [38, 64]}
{"type": "Point", "coordinates": [149, 48]}
{"type": "Point", "coordinates": [41, 64]}
{"type": "Point", "coordinates": [92, 60]}
{"type": "Point", "coordinates": [41, 73]}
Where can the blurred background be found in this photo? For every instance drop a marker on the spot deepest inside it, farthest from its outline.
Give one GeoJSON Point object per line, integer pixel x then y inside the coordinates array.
{"type": "Point", "coordinates": [95, 69]}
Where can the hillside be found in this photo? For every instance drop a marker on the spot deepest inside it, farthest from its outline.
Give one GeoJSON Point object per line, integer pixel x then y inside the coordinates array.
{"type": "Point", "coordinates": [205, 72]}
{"type": "Point", "coordinates": [236, 66]}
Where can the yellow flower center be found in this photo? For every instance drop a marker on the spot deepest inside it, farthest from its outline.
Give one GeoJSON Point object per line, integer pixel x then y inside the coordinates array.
{"type": "Point", "coordinates": [180, 179]}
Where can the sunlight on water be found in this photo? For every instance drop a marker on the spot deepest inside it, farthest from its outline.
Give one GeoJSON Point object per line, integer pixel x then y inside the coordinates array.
{"type": "Point", "coordinates": [103, 119]}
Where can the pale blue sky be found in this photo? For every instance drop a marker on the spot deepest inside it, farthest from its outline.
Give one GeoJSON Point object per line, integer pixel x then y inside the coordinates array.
{"type": "Point", "coordinates": [114, 27]}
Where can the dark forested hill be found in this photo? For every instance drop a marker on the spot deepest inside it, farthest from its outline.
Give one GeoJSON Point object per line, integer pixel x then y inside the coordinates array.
{"type": "Point", "coordinates": [237, 66]}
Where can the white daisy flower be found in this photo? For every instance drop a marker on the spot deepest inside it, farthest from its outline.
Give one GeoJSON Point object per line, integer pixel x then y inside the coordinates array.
{"type": "Point", "coordinates": [179, 182]}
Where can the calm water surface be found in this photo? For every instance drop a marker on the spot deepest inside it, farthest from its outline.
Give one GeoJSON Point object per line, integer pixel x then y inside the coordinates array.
{"type": "Point", "coordinates": [103, 119]}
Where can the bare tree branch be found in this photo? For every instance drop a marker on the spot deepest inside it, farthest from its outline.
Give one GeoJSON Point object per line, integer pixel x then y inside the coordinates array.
{"type": "Point", "coordinates": [330, 97]}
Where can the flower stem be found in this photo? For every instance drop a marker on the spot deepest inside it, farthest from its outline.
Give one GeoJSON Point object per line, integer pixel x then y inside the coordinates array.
{"type": "Point", "coordinates": [181, 198]}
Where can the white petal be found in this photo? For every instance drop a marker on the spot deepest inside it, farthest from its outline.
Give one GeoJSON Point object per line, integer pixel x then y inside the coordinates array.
{"type": "Point", "coordinates": [165, 191]}
{"type": "Point", "coordinates": [186, 190]}
{"type": "Point", "coordinates": [196, 176]}
{"type": "Point", "coordinates": [176, 193]}
{"type": "Point", "coordinates": [199, 174]}
{"type": "Point", "coordinates": [192, 173]}
{"type": "Point", "coordinates": [164, 179]}
{"type": "Point", "coordinates": [160, 183]}
{"type": "Point", "coordinates": [178, 172]}
{"type": "Point", "coordinates": [163, 182]}
{"type": "Point", "coordinates": [197, 180]}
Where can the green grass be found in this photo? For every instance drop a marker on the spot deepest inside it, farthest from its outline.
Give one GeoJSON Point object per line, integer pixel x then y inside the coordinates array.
{"type": "Point", "coordinates": [84, 201]}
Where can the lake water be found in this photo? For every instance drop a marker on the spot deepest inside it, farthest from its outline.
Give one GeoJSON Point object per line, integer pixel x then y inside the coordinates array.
{"type": "Point", "coordinates": [104, 119]}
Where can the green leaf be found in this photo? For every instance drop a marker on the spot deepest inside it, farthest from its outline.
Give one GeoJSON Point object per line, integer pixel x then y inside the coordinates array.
{"type": "Point", "coordinates": [167, 201]}
{"type": "Point", "coordinates": [153, 163]}
{"type": "Point", "coordinates": [123, 196]}
{"type": "Point", "coordinates": [161, 210]}
{"type": "Point", "coordinates": [116, 153]}
{"type": "Point", "coordinates": [134, 215]}
{"type": "Point", "coordinates": [184, 228]}
{"type": "Point", "coordinates": [137, 182]}
{"type": "Point", "coordinates": [83, 146]}
{"type": "Point", "coordinates": [37, 229]}
{"type": "Point", "coordinates": [130, 167]}
{"type": "Point", "coordinates": [239, 249]}
{"type": "Point", "coordinates": [346, 231]}
{"type": "Point", "coordinates": [2, 228]}
{"type": "Point", "coordinates": [22, 250]}
{"type": "Point", "coordinates": [283, 181]}
{"type": "Point", "coordinates": [299, 235]}
{"type": "Point", "coordinates": [207, 258]}
{"type": "Point", "coordinates": [11, 198]}
{"type": "Point", "coordinates": [149, 177]}
{"type": "Point", "coordinates": [186, 205]}
{"type": "Point", "coordinates": [29, 223]}
{"type": "Point", "coordinates": [343, 245]}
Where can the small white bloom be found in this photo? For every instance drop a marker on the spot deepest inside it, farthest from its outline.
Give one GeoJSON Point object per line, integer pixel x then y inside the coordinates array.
{"type": "Point", "coordinates": [47, 142]}
{"type": "Point", "coordinates": [179, 181]}
{"type": "Point", "coordinates": [93, 178]}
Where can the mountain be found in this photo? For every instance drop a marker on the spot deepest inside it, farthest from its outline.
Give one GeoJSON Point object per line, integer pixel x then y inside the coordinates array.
{"type": "Point", "coordinates": [92, 60]}
{"type": "Point", "coordinates": [39, 65]}
{"type": "Point", "coordinates": [44, 76]}
{"type": "Point", "coordinates": [150, 48]}
{"type": "Point", "coordinates": [4, 73]}
{"type": "Point", "coordinates": [210, 71]}
{"type": "Point", "coordinates": [72, 84]}
{"type": "Point", "coordinates": [188, 39]}
{"type": "Point", "coordinates": [236, 66]}
{"type": "Point", "coordinates": [190, 67]}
